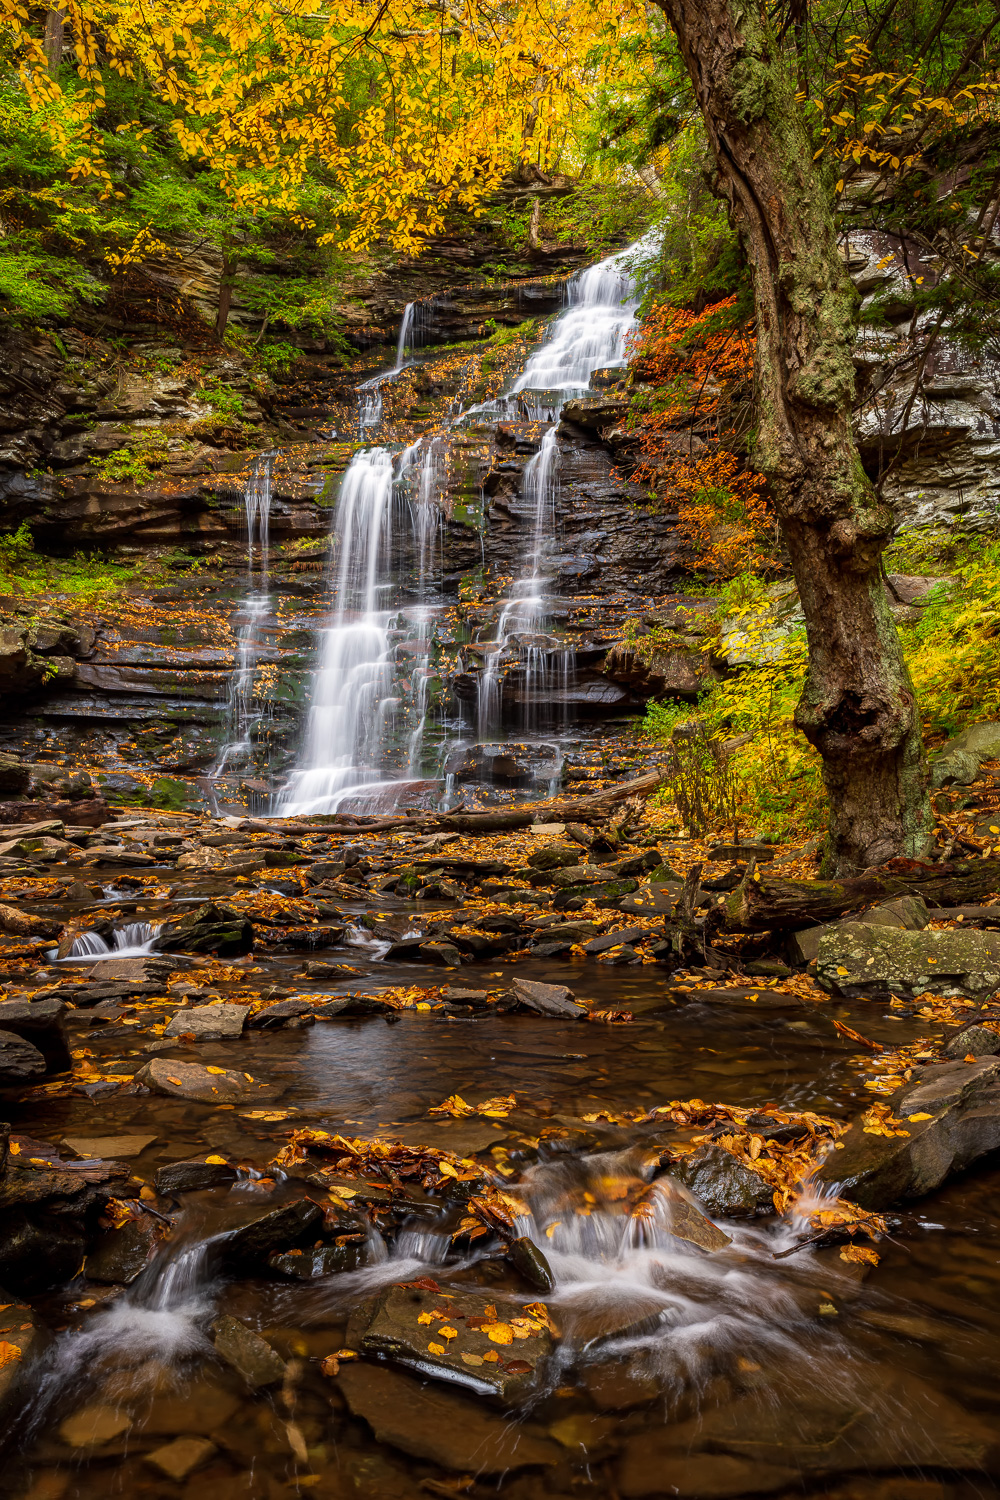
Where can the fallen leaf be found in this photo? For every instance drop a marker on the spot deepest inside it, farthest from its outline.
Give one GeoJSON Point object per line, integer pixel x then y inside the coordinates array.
{"type": "Point", "coordinates": [472, 1359]}
{"type": "Point", "coordinates": [499, 1333]}
{"type": "Point", "coordinates": [860, 1255]}
{"type": "Point", "coordinates": [923, 1115]}
{"type": "Point", "coordinates": [491, 1357]}
{"type": "Point", "coordinates": [436, 1348]}
{"type": "Point", "coordinates": [447, 1333]}
{"type": "Point", "coordinates": [518, 1367]}
{"type": "Point", "coordinates": [215, 1161]}
{"type": "Point", "coordinates": [9, 1353]}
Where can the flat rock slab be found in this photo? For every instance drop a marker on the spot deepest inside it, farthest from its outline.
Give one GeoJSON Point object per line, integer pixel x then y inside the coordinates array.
{"type": "Point", "coordinates": [249, 1355]}
{"type": "Point", "coordinates": [950, 1115]}
{"type": "Point", "coordinates": [491, 1346]}
{"type": "Point", "coordinates": [208, 1023]}
{"type": "Point", "coordinates": [93, 1426]}
{"type": "Point", "coordinates": [108, 1147]}
{"type": "Point", "coordinates": [195, 1411]}
{"type": "Point", "coordinates": [609, 940]}
{"type": "Point", "coordinates": [857, 959]}
{"type": "Point", "coordinates": [546, 999]}
{"type": "Point", "coordinates": [180, 1458]}
{"type": "Point", "coordinates": [431, 1422]}
{"type": "Point", "coordinates": [204, 1085]}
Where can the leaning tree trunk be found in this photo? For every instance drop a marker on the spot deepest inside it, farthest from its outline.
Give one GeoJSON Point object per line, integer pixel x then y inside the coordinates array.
{"type": "Point", "coordinates": [857, 707]}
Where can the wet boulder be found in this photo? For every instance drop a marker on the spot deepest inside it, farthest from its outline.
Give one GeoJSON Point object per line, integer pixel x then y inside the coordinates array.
{"type": "Point", "coordinates": [945, 1119]}
{"type": "Point", "coordinates": [855, 959]}
{"type": "Point", "coordinates": [958, 764]}
{"type": "Point", "coordinates": [121, 1255]}
{"type": "Point", "coordinates": [19, 1060]}
{"type": "Point", "coordinates": [208, 1023]}
{"type": "Point", "coordinates": [491, 1346]}
{"type": "Point", "coordinates": [194, 1176]}
{"type": "Point", "coordinates": [723, 1183]}
{"type": "Point", "coordinates": [546, 999]}
{"type": "Point", "coordinates": [321, 1260]}
{"type": "Point", "coordinates": [246, 1352]}
{"type": "Point", "coordinates": [976, 1040]}
{"type": "Point", "coordinates": [250, 1243]}
{"type": "Point", "coordinates": [22, 924]}
{"type": "Point", "coordinates": [205, 1085]}
{"type": "Point", "coordinates": [208, 929]}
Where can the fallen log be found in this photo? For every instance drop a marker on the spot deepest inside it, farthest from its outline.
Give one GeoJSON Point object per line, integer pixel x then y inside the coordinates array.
{"type": "Point", "coordinates": [498, 820]}
{"type": "Point", "coordinates": [763, 903]}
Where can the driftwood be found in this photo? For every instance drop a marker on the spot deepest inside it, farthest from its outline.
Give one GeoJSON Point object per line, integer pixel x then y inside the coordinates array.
{"type": "Point", "coordinates": [761, 903]}
{"type": "Point", "coordinates": [591, 808]}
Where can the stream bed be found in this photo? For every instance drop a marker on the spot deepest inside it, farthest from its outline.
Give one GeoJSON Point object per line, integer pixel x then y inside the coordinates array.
{"type": "Point", "coordinates": [764, 1366]}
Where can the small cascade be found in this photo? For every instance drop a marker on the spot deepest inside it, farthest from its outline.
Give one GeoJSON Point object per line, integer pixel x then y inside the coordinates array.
{"type": "Point", "coordinates": [245, 713]}
{"type": "Point", "coordinates": [130, 941]}
{"type": "Point", "coordinates": [525, 615]}
{"type": "Point", "coordinates": [407, 333]}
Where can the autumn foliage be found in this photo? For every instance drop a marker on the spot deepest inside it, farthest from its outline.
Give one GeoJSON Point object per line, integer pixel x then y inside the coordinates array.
{"type": "Point", "coordinates": [694, 371]}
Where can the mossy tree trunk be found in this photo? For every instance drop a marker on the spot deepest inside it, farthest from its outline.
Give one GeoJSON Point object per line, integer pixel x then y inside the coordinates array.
{"type": "Point", "coordinates": [858, 707]}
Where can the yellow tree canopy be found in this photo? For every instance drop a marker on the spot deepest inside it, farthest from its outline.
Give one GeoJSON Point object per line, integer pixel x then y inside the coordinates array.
{"type": "Point", "coordinates": [383, 111]}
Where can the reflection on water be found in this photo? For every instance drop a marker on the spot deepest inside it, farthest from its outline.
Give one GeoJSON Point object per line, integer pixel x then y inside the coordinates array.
{"type": "Point", "coordinates": [681, 1369]}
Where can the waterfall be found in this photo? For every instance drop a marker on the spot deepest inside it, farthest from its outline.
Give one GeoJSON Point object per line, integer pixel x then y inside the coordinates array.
{"type": "Point", "coordinates": [130, 941]}
{"type": "Point", "coordinates": [406, 332]}
{"type": "Point", "coordinates": [243, 717]}
{"type": "Point", "coordinates": [374, 675]}
{"type": "Point", "coordinates": [352, 701]}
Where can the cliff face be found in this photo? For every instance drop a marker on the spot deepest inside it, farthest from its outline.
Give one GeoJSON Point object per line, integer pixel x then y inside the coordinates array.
{"type": "Point", "coordinates": [148, 457]}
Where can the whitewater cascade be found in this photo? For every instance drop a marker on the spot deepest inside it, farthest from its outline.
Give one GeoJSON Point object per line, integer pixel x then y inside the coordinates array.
{"type": "Point", "coordinates": [362, 698]}
{"type": "Point", "coordinates": [244, 714]}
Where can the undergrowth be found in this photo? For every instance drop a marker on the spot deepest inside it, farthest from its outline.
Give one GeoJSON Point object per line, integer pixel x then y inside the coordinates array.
{"type": "Point", "coordinates": [953, 653]}
{"type": "Point", "coordinates": [87, 582]}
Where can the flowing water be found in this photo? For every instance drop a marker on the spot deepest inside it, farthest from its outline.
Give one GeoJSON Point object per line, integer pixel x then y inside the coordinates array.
{"type": "Point", "coordinates": [246, 710]}
{"type": "Point", "coordinates": [368, 687]}
{"type": "Point", "coordinates": [742, 1370]}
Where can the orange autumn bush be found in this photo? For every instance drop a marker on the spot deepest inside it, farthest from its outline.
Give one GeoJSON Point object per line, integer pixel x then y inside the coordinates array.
{"type": "Point", "coordinates": [695, 372]}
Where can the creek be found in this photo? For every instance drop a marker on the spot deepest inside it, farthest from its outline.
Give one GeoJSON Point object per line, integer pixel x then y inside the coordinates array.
{"type": "Point", "coordinates": [678, 1371]}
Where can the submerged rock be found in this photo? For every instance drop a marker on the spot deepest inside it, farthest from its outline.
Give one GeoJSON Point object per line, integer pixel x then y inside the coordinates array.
{"type": "Point", "coordinates": [193, 1176]}
{"type": "Point", "coordinates": [21, 1330]}
{"type": "Point", "coordinates": [252, 1242]}
{"type": "Point", "coordinates": [121, 1255]}
{"type": "Point", "coordinates": [493, 1347]}
{"type": "Point", "coordinates": [431, 1422]}
{"type": "Point", "coordinates": [249, 1355]}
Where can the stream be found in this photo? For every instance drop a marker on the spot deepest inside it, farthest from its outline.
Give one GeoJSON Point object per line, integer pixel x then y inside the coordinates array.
{"type": "Point", "coordinates": [678, 1371]}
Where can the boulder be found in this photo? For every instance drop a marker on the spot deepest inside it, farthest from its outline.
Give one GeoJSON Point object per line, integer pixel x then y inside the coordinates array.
{"type": "Point", "coordinates": [907, 913]}
{"type": "Point", "coordinates": [250, 1243]}
{"type": "Point", "coordinates": [209, 929]}
{"type": "Point", "coordinates": [22, 924]}
{"type": "Point", "coordinates": [39, 1022]}
{"type": "Point", "coordinates": [121, 1255]}
{"type": "Point", "coordinates": [464, 1338]}
{"type": "Point", "coordinates": [554, 856]}
{"type": "Point", "coordinates": [193, 1176]}
{"type": "Point", "coordinates": [250, 1356]}
{"type": "Point", "coordinates": [948, 1116]}
{"type": "Point", "coordinates": [19, 1060]}
{"type": "Point", "coordinates": [974, 1041]}
{"type": "Point", "coordinates": [546, 999]}
{"type": "Point", "coordinates": [723, 1184]}
{"type": "Point", "coordinates": [856, 959]}
{"type": "Point", "coordinates": [204, 1085]}
{"type": "Point", "coordinates": [208, 1023]}
{"type": "Point", "coordinates": [433, 1423]}
{"type": "Point", "coordinates": [960, 760]}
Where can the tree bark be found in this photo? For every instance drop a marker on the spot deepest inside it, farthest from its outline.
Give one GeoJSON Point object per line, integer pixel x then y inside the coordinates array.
{"type": "Point", "coordinates": [858, 706]}
{"type": "Point", "coordinates": [55, 24]}
{"type": "Point", "coordinates": [770, 905]}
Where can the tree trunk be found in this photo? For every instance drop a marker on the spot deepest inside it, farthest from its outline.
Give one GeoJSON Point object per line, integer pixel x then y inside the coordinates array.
{"type": "Point", "coordinates": [858, 707]}
{"type": "Point", "coordinates": [55, 23]}
{"type": "Point", "coordinates": [227, 279]}
{"type": "Point", "coordinates": [770, 905]}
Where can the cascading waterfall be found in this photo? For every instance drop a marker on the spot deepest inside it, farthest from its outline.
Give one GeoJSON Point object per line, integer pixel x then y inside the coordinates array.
{"type": "Point", "coordinates": [407, 333]}
{"type": "Point", "coordinates": [360, 699]}
{"type": "Point", "coordinates": [244, 713]}
{"type": "Point", "coordinates": [130, 941]}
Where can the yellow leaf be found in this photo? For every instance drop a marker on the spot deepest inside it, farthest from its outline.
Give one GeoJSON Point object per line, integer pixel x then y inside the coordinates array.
{"type": "Point", "coordinates": [447, 1333]}
{"type": "Point", "coordinates": [923, 1115]}
{"type": "Point", "coordinates": [210, 1069]}
{"type": "Point", "coordinates": [9, 1353]}
{"type": "Point", "coordinates": [499, 1333]}
{"type": "Point", "coordinates": [860, 1255]}
{"type": "Point", "coordinates": [491, 1357]}
{"type": "Point", "coordinates": [425, 1318]}
{"type": "Point", "coordinates": [436, 1348]}
{"type": "Point", "coordinates": [215, 1161]}
{"type": "Point", "coordinates": [472, 1359]}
